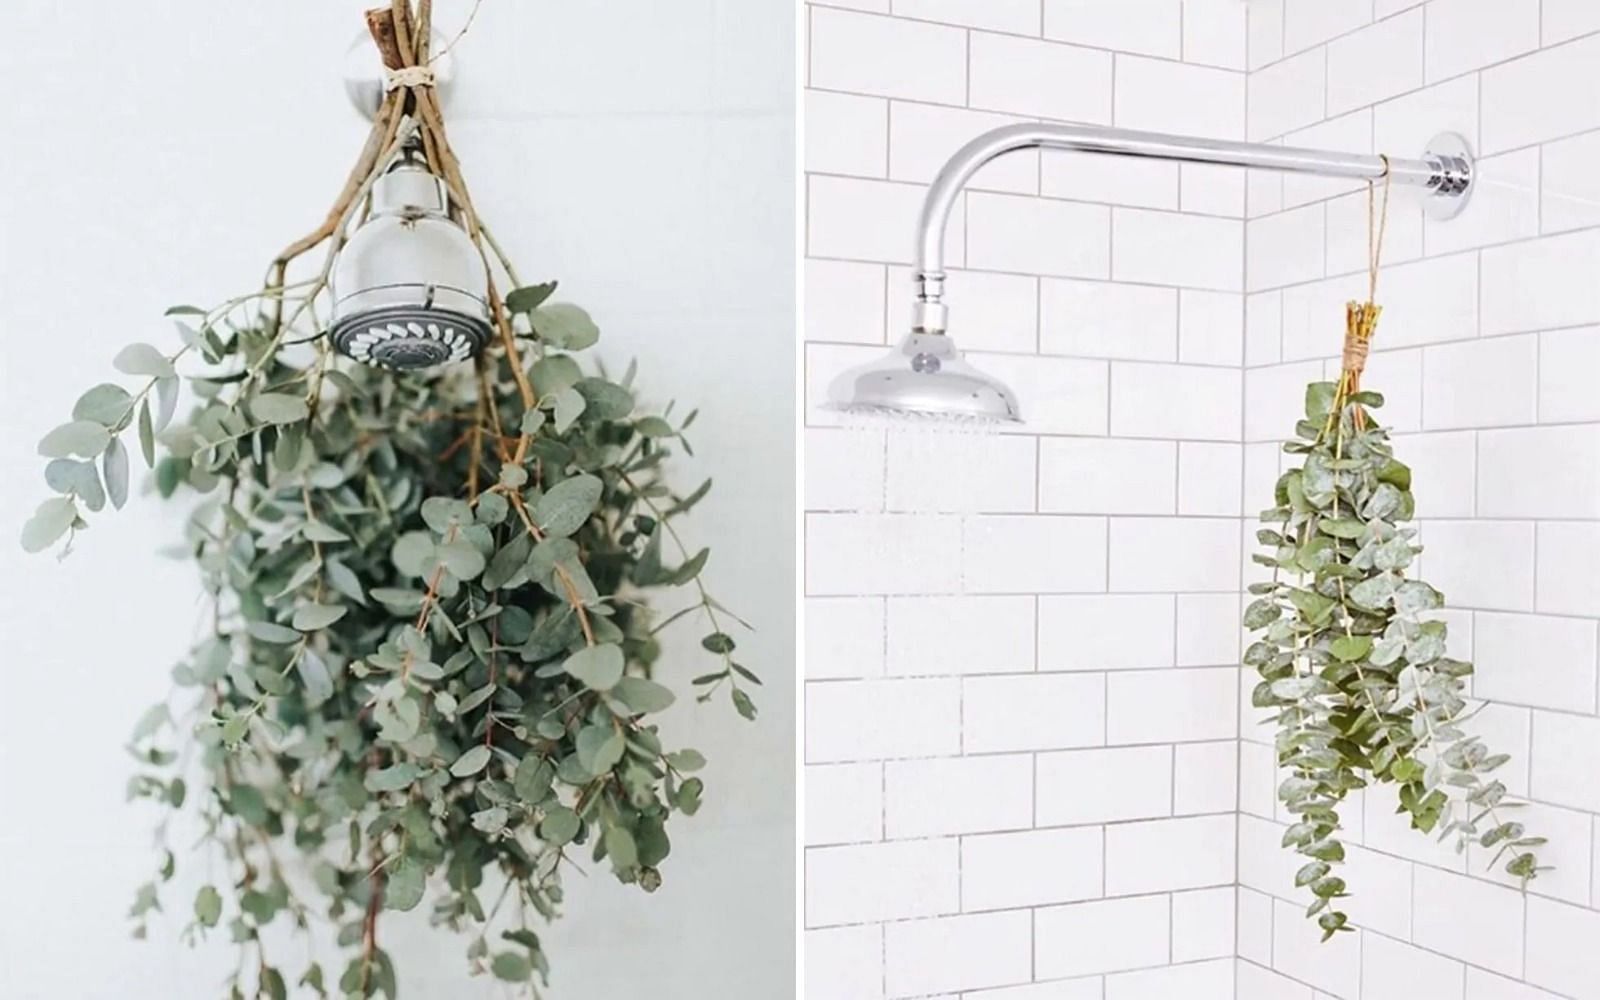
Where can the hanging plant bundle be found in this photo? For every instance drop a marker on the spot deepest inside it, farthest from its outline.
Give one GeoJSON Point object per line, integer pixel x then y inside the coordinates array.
{"type": "Point", "coordinates": [1350, 656]}
{"type": "Point", "coordinates": [429, 655]}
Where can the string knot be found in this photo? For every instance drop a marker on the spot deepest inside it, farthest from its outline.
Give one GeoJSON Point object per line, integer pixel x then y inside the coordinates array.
{"type": "Point", "coordinates": [1361, 320]}
{"type": "Point", "coordinates": [408, 76]}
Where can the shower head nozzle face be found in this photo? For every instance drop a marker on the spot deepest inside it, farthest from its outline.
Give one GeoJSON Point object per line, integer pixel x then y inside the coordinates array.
{"type": "Point", "coordinates": [925, 379]}
{"type": "Point", "coordinates": [407, 338]}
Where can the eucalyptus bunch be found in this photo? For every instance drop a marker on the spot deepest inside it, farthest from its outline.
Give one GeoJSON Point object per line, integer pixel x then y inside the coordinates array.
{"type": "Point", "coordinates": [1353, 661]}
{"type": "Point", "coordinates": [429, 650]}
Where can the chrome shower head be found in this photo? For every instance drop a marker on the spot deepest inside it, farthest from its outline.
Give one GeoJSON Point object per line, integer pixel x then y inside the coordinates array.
{"type": "Point", "coordinates": [409, 287]}
{"type": "Point", "coordinates": [924, 378]}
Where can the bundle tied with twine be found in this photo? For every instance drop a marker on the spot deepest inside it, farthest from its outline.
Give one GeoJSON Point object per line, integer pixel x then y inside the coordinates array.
{"type": "Point", "coordinates": [1361, 318]}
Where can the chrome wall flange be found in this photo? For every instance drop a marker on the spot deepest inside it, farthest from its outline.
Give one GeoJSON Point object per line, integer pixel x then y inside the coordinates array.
{"type": "Point", "coordinates": [1450, 156]}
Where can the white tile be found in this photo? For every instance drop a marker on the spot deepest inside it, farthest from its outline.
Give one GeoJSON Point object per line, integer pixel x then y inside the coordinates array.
{"type": "Point", "coordinates": [1561, 951]}
{"type": "Point", "coordinates": [1299, 951]}
{"type": "Point", "coordinates": [1263, 328]}
{"type": "Point", "coordinates": [1488, 986]}
{"type": "Point", "coordinates": [1104, 786]}
{"type": "Point", "coordinates": [1166, 854]}
{"type": "Point", "coordinates": [1485, 383]}
{"type": "Point", "coordinates": [1570, 187]}
{"type": "Point", "coordinates": [846, 469]}
{"type": "Point", "coordinates": [1149, 26]}
{"type": "Point", "coordinates": [1214, 34]}
{"type": "Point", "coordinates": [1444, 474]}
{"type": "Point", "coordinates": [1002, 555]}
{"type": "Point", "coordinates": [1505, 205]}
{"type": "Point", "coordinates": [1397, 375]}
{"type": "Point", "coordinates": [1107, 476]}
{"type": "Point", "coordinates": [862, 883]}
{"type": "Point", "coordinates": [1287, 248]}
{"type": "Point", "coordinates": [846, 134]}
{"type": "Point", "coordinates": [1205, 777]}
{"type": "Point", "coordinates": [919, 479]}
{"type": "Point", "coordinates": [1534, 660]}
{"type": "Point", "coordinates": [1307, 22]}
{"type": "Point", "coordinates": [1548, 472]}
{"type": "Point", "coordinates": [1540, 284]}
{"type": "Point", "coordinates": [1203, 924]}
{"type": "Point", "coordinates": [1031, 868]}
{"type": "Point", "coordinates": [1024, 76]}
{"type": "Point", "coordinates": [1455, 552]}
{"type": "Point", "coordinates": [1155, 706]}
{"type": "Point", "coordinates": [989, 311]}
{"type": "Point", "coordinates": [1014, 233]}
{"type": "Point", "coordinates": [956, 953]}
{"type": "Point", "coordinates": [869, 220]}
{"type": "Point", "coordinates": [1211, 980]}
{"type": "Point", "coordinates": [844, 803]}
{"type": "Point", "coordinates": [1566, 757]}
{"type": "Point", "coordinates": [1569, 370]}
{"type": "Point", "coordinates": [1264, 32]}
{"type": "Point", "coordinates": [1210, 327]}
{"type": "Point", "coordinates": [844, 301]}
{"type": "Point", "coordinates": [1517, 105]}
{"type": "Point", "coordinates": [1103, 319]}
{"type": "Point", "coordinates": [1106, 936]}
{"type": "Point", "coordinates": [1113, 180]}
{"type": "Point", "coordinates": [1174, 554]}
{"type": "Point", "coordinates": [1162, 96]}
{"type": "Point", "coordinates": [1405, 125]}
{"type": "Point", "coordinates": [1464, 35]}
{"type": "Point", "coordinates": [1385, 886]}
{"type": "Point", "coordinates": [1424, 302]}
{"type": "Point", "coordinates": [1568, 583]}
{"type": "Point", "coordinates": [1468, 919]}
{"type": "Point", "coordinates": [1209, 477]}
{"type": "Point", "coordinates": [1564, 19]}
{"type": "Point", "coordinates": [1391, 970]}
{"type": "Point", "coordinates": [1061, 395]}
{"type": "Point", "coordinates": [922, 137]}
{"type": "Point", "coordinates": [1257, 983]}
{"type": "Point", "coordinates": [844, 637]}
{"type": "Point", "coordinates": [859, 554]}
{"type": "Point", "coordinates": [1033, 712]}
{"type": "Point", "coordinates": [926, 798]}
{"type": "Point", "coordinates": [1016, 16]}
{"type": "Point", "coordinates": [959, 635]}
{"type": "Point", "coordinates": [1191, 251]}
{"type": "Point", "coordinates": [1210, 189]}
{"type": "Point", "coordinates": [1377, 62]}
{"type": "Point", "coordinates": [1061, 989]}
{"type": "Point", "coordinates": [1263, 863]}
{"type": "Point", "coordinates": [1105, 632]}
{"type": "Point", "coordinates": [1275, 399]}
{"type": "Point", "coordinates": [1142, 394]}
{"type": "Point", "coordinates": [1208, 629]}
{"type": "Point", "coordinates": [873, 720]}
{"type": "Point", "coordinates": [1254, 924]}
{"type": "Point", "coordinates": [844, 963]}
{"type": "Point", "coordinates": [893, 57]}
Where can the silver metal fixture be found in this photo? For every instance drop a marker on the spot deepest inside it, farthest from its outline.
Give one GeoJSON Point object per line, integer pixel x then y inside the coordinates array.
{"type": "Point", "coordinates": [408, 289]}
{"type": "Point", "coordinates": [894, 385]}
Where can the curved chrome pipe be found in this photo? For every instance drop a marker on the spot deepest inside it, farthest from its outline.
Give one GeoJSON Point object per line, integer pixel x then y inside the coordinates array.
{"type": "Point", "coordinates": [1445, 172]}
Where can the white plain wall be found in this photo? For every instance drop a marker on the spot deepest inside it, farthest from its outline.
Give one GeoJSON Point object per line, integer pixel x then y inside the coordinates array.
{"type": "Point", "coordinates": [639, 151]}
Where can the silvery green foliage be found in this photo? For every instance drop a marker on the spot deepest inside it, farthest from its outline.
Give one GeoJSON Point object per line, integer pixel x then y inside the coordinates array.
{"type": "Point", "coordinates": [1353, 660]}
{"type": "Point", "coordinates": [429, 663]}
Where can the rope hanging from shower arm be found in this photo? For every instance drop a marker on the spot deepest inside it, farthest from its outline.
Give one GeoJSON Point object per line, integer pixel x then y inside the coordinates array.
{"type": "Point", "coordinates": [1361, 318]}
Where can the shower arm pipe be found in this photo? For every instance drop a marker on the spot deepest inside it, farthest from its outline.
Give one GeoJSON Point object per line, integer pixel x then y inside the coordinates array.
{"type": "Point", "coordinates": [1445, 172]}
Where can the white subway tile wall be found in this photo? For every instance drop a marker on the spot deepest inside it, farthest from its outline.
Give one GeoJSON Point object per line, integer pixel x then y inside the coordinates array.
{"type": "Point", "coordinates": [1496, 311]}
{"type": "Point", "coordinates": [1022, 653]}
{"type": "Point", "coordinates": [1033, 772]}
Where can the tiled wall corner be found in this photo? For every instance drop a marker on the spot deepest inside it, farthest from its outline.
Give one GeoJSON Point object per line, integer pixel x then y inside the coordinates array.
{"type": "Point", "coordinates": [1489, 351]}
